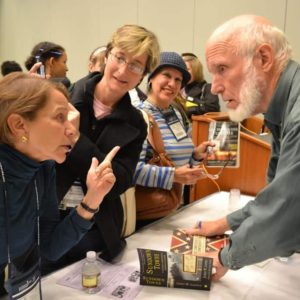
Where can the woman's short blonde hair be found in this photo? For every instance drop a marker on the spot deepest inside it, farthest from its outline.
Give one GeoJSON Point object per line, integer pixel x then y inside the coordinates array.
{"type": "Point", "coordinates": [25, 95]}
{"type": "Point", "coordinates": [137, 40]}
{"type": "Point", "coordinates": [196, 66]}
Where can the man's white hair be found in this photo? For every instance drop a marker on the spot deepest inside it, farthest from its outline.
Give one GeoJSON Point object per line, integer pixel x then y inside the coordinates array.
{"type": "Point", "coordinates": [245, 33]}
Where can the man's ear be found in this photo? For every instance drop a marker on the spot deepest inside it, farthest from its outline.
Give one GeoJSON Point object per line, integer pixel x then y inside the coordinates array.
{"type": "Point", "coordinates": [265, 55]}
{"type": "Point", "coordinates": [17, 125]}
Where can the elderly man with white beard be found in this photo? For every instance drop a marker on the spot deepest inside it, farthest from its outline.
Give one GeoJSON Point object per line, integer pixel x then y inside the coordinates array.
{"type": "Point", "coordinates": [251, 66]}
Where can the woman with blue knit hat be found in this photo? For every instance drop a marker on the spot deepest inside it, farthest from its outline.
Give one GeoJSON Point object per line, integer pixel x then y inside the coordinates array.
{"type": "Point", "coordinates": [164, 85]}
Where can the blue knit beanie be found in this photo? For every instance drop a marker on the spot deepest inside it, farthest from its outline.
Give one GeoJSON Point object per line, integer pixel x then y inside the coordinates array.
{"type": "Point", "coordinates": [173, 60]}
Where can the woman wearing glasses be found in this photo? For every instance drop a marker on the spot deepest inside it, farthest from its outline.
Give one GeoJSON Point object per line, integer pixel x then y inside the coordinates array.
{"type": "Point", "coordinates": [107, 118]}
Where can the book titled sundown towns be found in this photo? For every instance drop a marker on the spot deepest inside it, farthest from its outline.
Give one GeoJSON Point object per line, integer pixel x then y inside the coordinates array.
{"type": "Point", "coordinates": [173, 270]}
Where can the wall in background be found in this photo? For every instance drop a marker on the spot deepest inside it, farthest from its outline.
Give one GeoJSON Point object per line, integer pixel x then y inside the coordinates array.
{"type": "Point", "coordinates": [80, 26]}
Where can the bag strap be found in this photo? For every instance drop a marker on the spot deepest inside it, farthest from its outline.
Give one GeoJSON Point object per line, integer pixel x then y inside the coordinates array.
{"type": "Point", "coordinates": [154, 136]}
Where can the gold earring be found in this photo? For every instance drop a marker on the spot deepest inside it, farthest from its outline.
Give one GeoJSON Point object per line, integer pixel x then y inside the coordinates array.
{"type": "Point", "coordinates": [24, 139]}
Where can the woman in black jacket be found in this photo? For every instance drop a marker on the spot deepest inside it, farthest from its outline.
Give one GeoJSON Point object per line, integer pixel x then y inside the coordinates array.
{"type": "Point", "coordinates": [107, 118]}
{"type": "Point", "coordinates": [197, 92]}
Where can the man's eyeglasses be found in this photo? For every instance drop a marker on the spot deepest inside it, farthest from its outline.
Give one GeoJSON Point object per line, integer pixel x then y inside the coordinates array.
{"type": "Point", "coordinates": [133, 67]}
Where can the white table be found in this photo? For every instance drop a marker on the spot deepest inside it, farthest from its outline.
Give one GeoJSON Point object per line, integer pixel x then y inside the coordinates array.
{"type": "Point", "coordinates": [274, 280]}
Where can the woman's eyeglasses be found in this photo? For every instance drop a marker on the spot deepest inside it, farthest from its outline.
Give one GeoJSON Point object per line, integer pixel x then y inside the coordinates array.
{"type": "Point", "coordinates": [121, 60]}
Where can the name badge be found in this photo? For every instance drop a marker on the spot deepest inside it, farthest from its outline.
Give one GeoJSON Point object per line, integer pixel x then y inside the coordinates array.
{"type": "Point", "coordinates": [174, 124]}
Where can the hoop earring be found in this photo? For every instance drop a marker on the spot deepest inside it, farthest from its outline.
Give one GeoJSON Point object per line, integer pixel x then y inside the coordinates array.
{"type": "Point", "coordinates": [24, 139]}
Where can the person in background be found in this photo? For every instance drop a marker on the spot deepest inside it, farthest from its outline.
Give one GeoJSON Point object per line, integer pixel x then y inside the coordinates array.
{"type": "Point", "coordinates": [97, 60]}
{"type": "Point", "coordinates": [164, 84]}
{"type": "Point", "coordinates": [35, 132]}
{"type": "Point", "coordinates": [10, 66]}
{"type": "Point", "coordinates": [251, 66]}
{"type": "Point", "coordinates": [107, 118]}
{"type": "Point", "coordinates": [54, 61]}
{"type": "Point", "coordinates": [197, 92]}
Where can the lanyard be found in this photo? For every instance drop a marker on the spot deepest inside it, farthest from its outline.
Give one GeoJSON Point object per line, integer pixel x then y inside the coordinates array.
{"type": "Point", "coordinates": [174, 123]}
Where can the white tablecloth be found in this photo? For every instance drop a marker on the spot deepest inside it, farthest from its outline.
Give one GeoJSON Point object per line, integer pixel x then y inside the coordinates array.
{"type": "Point", "coordinates": [273, 280]}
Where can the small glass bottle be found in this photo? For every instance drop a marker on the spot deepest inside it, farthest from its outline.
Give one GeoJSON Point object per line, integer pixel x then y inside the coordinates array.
{"type": "Point", "coordinates": [91, 273]}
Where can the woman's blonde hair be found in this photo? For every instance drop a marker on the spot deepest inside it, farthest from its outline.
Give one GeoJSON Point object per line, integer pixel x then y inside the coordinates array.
{"type": "Point", "coordinates": [137, 40]}
{"type": "Point", "coordinates": [25, 95]}
{"type": "Point", "coordinates": [196, 66]}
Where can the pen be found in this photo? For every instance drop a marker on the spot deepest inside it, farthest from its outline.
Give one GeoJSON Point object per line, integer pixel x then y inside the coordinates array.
{"type": "Point", "coordinates": [199, 224]}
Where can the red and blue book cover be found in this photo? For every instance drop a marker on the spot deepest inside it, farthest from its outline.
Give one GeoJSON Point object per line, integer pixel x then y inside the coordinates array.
{"type": "Point", "coordinates": [195, 245]}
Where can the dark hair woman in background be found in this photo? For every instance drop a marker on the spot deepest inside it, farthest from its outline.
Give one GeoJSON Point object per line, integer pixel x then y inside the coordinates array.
{"type": "Point", "coordinates": [53, 57]}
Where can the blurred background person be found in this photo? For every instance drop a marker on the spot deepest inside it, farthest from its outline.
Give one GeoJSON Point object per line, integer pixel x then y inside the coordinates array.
{"type": "Point", "coordinates": [97, 60]}
{"type": "Point", "coordinates": [10, 66]}
{"type": "Point", "coordinates": [54, 59]}
{"type": "Point", "coordinates": [197, 92]}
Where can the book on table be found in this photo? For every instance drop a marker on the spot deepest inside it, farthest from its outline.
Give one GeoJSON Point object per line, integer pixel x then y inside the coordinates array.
{"type": "Point", "coordinates": [173, 270]}
{"type": "Point", "coordinates": [226, 136]}
{"type": "Point", "coordinates": [196, 244]}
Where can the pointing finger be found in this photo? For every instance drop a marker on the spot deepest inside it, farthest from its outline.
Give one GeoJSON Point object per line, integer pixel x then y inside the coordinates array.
{"type": "Point", "coordinates": [109, 157]}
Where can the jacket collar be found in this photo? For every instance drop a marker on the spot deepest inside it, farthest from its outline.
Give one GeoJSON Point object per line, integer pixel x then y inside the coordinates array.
{"type": "Point", "coordinates": [195, 84]}
{"type": "Point", "coordinates": [280, 98]}
{"type": "Point", "coordinates": [16, 164]}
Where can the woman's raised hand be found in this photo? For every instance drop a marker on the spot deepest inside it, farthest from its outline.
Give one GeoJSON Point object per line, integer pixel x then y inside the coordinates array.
{"type": "Point", "coordinates": [100, 180]}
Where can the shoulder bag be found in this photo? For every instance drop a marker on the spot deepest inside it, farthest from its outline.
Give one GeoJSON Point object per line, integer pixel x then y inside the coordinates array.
{"type": "Point", "coordinates": [152, 202]}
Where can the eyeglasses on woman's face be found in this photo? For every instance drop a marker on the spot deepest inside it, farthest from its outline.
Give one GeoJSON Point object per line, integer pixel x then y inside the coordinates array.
{"type": "Point", "coordinates": [121, 60]}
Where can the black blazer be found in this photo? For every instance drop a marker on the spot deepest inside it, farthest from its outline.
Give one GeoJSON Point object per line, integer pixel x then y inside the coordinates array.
{"type": "Point", "coordinates": [124, 127]}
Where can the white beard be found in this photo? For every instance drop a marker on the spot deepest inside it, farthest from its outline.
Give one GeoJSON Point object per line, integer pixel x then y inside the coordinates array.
{"type": "Point", "coordinates": [250, 96]}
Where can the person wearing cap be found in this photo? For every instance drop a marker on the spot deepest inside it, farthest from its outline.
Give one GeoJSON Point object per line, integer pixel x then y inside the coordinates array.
{"type": "Point", "coordinates": [197, 92]}
{"type": "Point", "coordinates": [164, 84]}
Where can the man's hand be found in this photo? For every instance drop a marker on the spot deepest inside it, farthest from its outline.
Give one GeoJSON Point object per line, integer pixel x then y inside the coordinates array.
{"type": "Point", "coordinates": [209, 228]}
{"type": "Point", "coordinates": [220, 271]}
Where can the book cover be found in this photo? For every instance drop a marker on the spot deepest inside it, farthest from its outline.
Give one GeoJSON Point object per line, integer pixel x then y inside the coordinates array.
{"type": "Point", "coordinates": [197, 244]}
{"type": "Point", "coordinates": [226, 136]}
{"type": "Point", "coordinates": [168, 269]}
